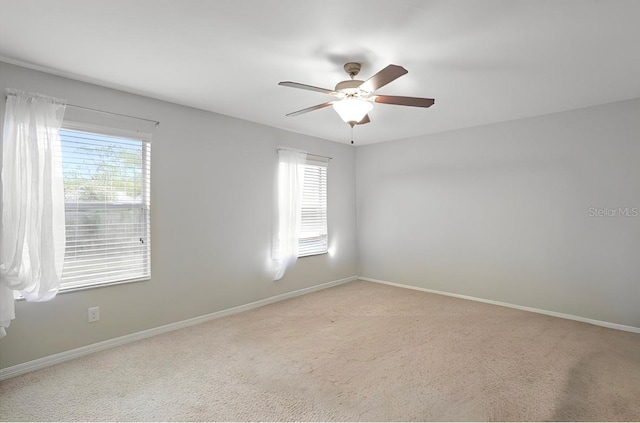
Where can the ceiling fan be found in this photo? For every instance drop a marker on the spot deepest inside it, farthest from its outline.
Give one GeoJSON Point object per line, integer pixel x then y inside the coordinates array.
{"type": "Point", "coordinates": [356, 97]}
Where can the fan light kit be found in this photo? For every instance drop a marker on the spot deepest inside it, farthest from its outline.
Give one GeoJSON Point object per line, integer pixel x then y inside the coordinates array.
{"type": "Point", "coordinates": [352, 109]}
{"type": "Point", "coordinates": [356, 98]}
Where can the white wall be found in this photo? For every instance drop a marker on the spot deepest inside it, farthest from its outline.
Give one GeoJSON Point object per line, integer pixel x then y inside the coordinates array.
{"type": "Point", "coordinates": [501, 212]}
{"type": "Point", "coordinates": [212, 191]}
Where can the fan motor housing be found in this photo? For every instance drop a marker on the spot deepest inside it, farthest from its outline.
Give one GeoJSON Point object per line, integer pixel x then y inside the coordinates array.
{"type": "Point", "coordinates": [349, 86]}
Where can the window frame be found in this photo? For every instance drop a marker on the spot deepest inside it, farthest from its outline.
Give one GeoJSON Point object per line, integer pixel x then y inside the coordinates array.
{"type": "Point", "coordinates": [317, 161]}
{"type": "Point", "coordinates": [145, 139]}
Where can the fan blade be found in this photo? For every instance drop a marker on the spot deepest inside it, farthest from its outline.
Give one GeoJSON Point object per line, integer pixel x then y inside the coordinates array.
{"type": "Point", "coordinates": [311, 109]}
{"type": "Point", "coordinates": [364, 120]}
{"type": "Point", "coordinates": [405, 101]}
{"type": "Point", "coordinates": [306, 87]}
{"type": "Point", "coordinates": [382, 78]}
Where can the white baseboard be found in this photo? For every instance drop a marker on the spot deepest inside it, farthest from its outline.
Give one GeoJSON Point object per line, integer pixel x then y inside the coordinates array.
{"type": "Point", "coordinates": [50, 360]}
{"type": "Point", "coordinates": [519, 307]}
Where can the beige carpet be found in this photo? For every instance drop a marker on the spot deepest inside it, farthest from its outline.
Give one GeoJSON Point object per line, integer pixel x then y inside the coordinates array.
{"type": "Point", "coordinates": [359, 351]}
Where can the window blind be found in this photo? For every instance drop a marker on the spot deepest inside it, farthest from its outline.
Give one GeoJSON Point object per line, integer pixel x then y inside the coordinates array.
{"type": "Point", "coordinates": [313, 233]}
{"type": "Point", "coordinates": [107, 206]}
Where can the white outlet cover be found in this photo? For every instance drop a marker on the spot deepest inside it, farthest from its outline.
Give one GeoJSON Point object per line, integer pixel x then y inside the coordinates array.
{"type": "Point", "coordinates": [94, 314]}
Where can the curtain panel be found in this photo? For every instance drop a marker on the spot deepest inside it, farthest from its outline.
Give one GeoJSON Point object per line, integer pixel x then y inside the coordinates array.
{"type": "Point", "coordinates": [291, 164]}
{"type": "Point", "coordinates": [32, 242]}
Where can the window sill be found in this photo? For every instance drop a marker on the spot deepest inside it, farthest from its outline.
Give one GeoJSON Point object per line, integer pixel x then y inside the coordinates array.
{"type": "Point", "coordinates": [314, 254]}
{"type": "Point", "coordinates": [86, 287]}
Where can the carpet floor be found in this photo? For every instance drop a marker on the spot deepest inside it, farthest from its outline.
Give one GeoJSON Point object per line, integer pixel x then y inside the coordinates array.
{"type": "Point", "coordinates": [355, 352]}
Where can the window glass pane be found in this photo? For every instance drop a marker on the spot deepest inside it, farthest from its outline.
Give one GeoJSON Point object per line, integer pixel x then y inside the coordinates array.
{"type": "Point", "coordinates": [313, 234]}
{"type": "Point", "coordinates": [106, 184]}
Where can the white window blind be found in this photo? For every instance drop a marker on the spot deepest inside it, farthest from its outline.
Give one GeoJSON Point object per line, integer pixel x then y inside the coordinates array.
{"type": "Point", "coordinates": [313, 233]}
{"type": "Point", "coordinates": [107, 209]}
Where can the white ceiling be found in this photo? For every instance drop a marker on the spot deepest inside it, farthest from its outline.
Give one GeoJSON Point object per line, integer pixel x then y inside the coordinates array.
{"type": "Point", "coordinates": [483, 61]}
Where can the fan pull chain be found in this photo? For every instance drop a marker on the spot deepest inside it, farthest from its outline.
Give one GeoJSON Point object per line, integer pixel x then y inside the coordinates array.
{"type": "Point", "coordinates": [351, 134]}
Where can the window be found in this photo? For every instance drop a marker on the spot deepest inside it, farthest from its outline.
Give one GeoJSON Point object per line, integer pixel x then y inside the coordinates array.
{"type": "Point", "coordinates": [107, 205]}
{"type": "Point", "coordinates": [313, 232]}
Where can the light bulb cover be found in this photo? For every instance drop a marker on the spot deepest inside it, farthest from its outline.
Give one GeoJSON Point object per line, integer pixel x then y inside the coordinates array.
{"type": "Point", "coordinates": [352, 109]}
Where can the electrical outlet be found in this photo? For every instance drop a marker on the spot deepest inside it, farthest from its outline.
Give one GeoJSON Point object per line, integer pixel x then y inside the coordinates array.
{"type": "Point", "coordinates": [94, 314]}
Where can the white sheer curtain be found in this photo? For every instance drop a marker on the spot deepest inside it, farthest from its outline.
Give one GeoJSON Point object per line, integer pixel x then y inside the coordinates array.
{"type": "Point", "coordinates": [291, 165]}
{"type": "Point", "coordinates": [33, 238]}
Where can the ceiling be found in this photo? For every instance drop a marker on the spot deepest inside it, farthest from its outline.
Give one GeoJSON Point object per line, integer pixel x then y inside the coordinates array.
{"type": "Point", "coordinates": [483, 61]}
